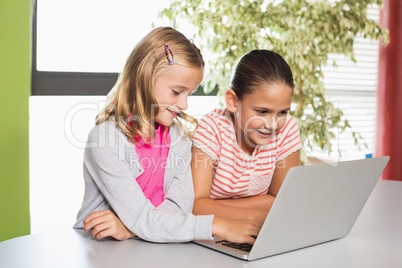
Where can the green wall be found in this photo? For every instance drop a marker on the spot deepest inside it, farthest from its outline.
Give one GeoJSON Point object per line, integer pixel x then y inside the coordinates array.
{"type": "Point", "coordinates": [15, 77]}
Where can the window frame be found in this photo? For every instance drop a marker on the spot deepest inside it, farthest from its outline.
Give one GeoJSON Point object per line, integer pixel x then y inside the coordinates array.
{"type": "Point", "coordinates": [66, 83]}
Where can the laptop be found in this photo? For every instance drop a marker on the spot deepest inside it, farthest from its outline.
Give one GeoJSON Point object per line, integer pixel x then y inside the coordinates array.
{"type": "Point", "coordinates": [315, 204]}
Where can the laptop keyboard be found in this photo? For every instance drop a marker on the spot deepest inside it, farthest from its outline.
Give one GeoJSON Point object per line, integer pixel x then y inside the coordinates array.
{"type": "Point", "coordinates": [242, 246]}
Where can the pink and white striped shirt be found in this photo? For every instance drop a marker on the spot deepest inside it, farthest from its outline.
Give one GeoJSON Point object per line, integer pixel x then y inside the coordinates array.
{"type": "Point", "coordinates": [237, 174]}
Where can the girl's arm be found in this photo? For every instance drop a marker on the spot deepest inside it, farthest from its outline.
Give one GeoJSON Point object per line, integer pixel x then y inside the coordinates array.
{"type": "Point", "coordinates": [202, 169]}
{"type": "Point", "coordinates": [110, 167]}
{"type": "Point", "coordinates": [282, 168]}
{"type": "Point", "coordinates": [264, 202]}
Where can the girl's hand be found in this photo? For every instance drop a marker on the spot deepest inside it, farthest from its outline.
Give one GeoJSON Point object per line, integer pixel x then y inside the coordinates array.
{"type": "Point", "coordinates": [105, 223]}
{"type": "Point", "coordinates": [237, 231]}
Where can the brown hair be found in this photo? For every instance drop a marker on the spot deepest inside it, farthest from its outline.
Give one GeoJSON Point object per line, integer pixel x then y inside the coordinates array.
{"type": "Point", "coordinates": [257, 67]}
{"type": "Point", "coordinates": [133, 92]}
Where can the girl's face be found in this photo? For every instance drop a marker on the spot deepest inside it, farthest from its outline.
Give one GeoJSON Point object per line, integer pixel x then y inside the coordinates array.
{"type": "Point", "coordinates": [260, 115]}
{"type": "Point", "coordinates": [172, 88]}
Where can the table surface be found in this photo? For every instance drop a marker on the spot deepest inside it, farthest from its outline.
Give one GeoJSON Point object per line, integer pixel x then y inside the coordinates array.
{"type": "Point", "coordinates": [375, 241]}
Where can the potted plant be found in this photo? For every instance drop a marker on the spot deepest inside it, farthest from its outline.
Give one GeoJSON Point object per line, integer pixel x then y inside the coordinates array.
{"type": "Point", "coordinates": [304, 32]}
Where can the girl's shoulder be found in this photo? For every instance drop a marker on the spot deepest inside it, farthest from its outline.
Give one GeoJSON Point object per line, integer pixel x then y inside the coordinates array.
{"type": "Point", "coordinates": [218, 119]}
{"type": "Point", "coordinates": [106, 130]}
{"type": "Point", "coordinates": [109, 125]}
{"type": "Point", "coordinates": [291, 124]}
{"type": "Point", "coordinates": [218, 113]}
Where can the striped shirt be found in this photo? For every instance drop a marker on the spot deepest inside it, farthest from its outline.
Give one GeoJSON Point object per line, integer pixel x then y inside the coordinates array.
{"type": "Point", "coordinates": [237, 174]}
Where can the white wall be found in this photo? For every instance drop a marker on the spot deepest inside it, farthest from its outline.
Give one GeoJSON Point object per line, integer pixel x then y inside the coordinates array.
{"type": "Point", "coordinates": [58, 129]}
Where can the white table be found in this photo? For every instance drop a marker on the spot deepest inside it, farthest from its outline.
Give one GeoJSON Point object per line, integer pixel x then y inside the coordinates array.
{"type": "Point", "coordinates": [375, 241]}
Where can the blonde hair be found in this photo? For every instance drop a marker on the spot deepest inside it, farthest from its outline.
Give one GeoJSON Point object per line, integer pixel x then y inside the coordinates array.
{"type": "Point", "coordinates": [133, 91]}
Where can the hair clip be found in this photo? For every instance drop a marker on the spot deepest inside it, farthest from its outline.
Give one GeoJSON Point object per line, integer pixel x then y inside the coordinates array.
{"type": "Point", "coordinates": [171, 58]}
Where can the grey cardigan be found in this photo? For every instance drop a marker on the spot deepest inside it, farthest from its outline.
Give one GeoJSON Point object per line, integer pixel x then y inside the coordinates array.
{"type": "Point", "coordinates": [111, 167]}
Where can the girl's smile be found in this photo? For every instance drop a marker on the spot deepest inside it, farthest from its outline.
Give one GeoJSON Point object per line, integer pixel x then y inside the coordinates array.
{"type": "Point", "coordinates": [264, 134]}
{"type": "Point", "coordinates": [172, 112]}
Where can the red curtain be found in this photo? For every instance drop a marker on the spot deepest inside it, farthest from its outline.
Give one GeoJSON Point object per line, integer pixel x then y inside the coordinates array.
{"type": "Point", "coordinates": [389, 92]}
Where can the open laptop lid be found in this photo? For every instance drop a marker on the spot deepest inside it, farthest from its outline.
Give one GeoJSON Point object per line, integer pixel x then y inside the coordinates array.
{"type": "Point", "coordinates": [317, 203]}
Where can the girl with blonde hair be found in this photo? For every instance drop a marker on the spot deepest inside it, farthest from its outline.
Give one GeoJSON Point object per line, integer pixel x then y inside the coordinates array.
{"type": "Point", "coordinates": [137, 162]}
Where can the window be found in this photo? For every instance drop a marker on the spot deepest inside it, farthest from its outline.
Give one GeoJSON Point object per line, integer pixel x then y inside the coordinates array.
{"type": "Point", "coordinates": [79, 47]}
{"type": "Point", "coordinates": [352, 86]}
